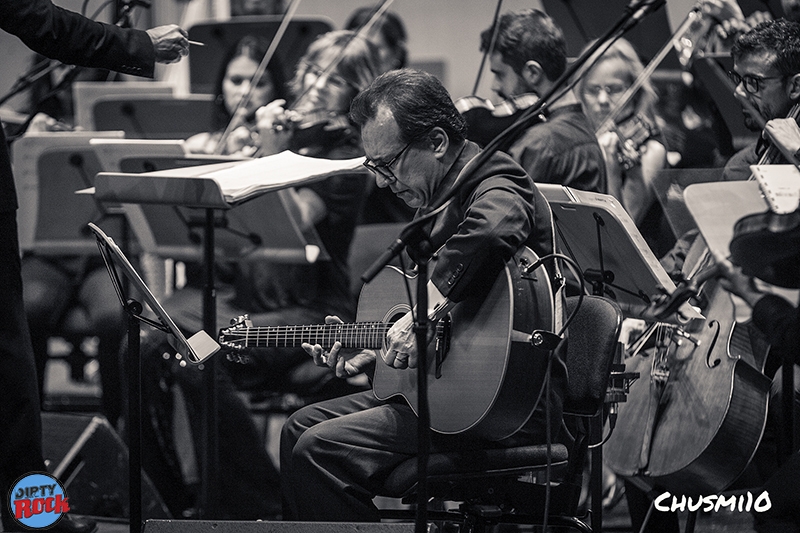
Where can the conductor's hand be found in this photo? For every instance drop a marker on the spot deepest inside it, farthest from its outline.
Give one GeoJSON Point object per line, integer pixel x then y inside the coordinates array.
{"type": "Point", "coordinates": [170, 42]}
{"type": "Point", "coordinates": [346, 362]}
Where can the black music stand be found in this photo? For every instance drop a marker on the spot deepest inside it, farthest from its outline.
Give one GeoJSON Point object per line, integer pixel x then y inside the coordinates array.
{"type": "Point", "coordinates": [211, 189]}
{"type": "Point", "coordinates": [596, 231]}
{"type": "Point", "coordinates": [86, 93]}
{"type": "Point", "coordinates": [195, 350]}
{"type": "Point", "coordinates": [48, 168]}
{"type": "Point", "coordinates": [599, 235]}
{"type": "Point", "coordinates": [219, 37]}
{"type": "Point", "coordinates": [155, 116]}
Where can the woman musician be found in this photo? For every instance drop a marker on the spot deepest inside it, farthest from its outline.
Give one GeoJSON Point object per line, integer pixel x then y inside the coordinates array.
{"type": "Point", "coordinates": [632, 145]}
{"type": "Point", "coordinates": [233, 84]}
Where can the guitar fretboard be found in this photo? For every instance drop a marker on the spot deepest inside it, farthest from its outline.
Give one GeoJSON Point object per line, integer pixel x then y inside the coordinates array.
{"type": "Point", "coordinates": [356, 335]}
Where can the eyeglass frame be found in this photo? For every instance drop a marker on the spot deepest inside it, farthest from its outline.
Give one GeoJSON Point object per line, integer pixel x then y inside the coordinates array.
{"type": "Point", "coordinates": [737, 78]}
{"type": "Point", "coordinates": [594, 90]}
{"type": "Point", "coordinates": [383, 168]}
{"type": "Point", "coordinates": [315, 70]}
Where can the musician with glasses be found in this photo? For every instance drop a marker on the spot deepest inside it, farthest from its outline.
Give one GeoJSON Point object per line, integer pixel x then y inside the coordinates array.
{"type": "Point", "coordinates": [767, 75]}
{"type": "Point", "coordinates": [766, 71]}
{"type": "Point", "coordinates": [331, 72]}
{"type": "Point", "coordinates": [337, 454]}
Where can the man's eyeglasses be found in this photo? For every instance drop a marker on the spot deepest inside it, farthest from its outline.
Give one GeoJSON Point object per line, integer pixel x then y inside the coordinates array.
{"type": "Point", "coordinates": [751, 84]}
{"type": "Point", "coordinates": [384, 168]}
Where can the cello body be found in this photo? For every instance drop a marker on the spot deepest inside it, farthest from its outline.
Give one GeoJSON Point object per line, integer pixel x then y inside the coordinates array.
{"type": "Point", "coordinates": [694, 418]}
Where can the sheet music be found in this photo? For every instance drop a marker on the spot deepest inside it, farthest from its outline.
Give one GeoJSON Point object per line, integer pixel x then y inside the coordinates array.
{"type": "Point", "coordinates": [241, 180]}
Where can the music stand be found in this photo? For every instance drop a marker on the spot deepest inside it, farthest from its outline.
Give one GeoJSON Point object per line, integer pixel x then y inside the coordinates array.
{"type": "Point", "coordinates": [48, 169]}
{"type": "Point", "coordinates": [596, 231]}
{"type": "Point", "coordinates": [155, 116]}
{"type": "Point", "coordinates": [214, 187]}
{"type": "Point", "coordinates": [86, 93]}
{"type": "Point", "coordinates": [195, 350]}
{"type": "Point", "coordinates": [206, 61]}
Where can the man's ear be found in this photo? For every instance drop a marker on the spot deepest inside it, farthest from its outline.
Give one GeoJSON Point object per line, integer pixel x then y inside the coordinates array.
{"type": "Point", "coordinates": [532, 73]}
{"type": "Point", "coordinates": [793, 88]}
{"type": "Point", "coordinates": [440, 142]}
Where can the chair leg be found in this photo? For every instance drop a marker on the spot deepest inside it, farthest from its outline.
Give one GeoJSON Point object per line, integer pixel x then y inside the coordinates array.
{"type": "Point", "coordinates": [77, 360]}
{"type": "Point", "coordinates": [596, 475]}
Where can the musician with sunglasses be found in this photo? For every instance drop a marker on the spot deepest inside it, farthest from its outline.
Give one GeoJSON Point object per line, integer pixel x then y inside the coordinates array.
{"type": "Point", "coordinates": [336, 455]}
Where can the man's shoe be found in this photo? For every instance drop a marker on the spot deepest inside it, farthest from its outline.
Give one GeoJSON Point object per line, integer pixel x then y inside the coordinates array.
{"type": "Point", "coordinates": [71, 524]}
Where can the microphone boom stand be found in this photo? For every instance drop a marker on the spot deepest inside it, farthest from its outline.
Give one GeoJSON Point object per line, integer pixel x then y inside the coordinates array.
{"type": "Point", "coordinates": [635, 11]}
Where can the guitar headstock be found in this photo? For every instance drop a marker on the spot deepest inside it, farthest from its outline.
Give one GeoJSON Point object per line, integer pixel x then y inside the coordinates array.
{"type": "Point", "coordinates": [231, 340]}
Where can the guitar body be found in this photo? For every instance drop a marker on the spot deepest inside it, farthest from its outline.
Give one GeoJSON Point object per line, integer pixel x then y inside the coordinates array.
{"type": "Point", "coordinates": [490, 376]}
{"type": "Point", "coordinates": [697, 431]}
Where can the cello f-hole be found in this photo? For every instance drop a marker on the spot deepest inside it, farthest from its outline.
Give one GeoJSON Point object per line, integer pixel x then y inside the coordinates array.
{"type": "Point", "coordinates": [714, 324]}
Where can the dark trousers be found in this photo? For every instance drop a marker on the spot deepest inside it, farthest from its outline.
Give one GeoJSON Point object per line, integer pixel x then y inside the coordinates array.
{"type": "Point", "coordinates": [20, 418]}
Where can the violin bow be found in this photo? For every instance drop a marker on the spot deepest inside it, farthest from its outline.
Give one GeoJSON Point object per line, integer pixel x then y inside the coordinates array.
{"type": "Point", "coordinates": [262, 67]}
{"type": "Point", "coordinates": [631, 91]}
{"type": "Point", "coordinates": [363, 30]}
{"type": "Point", "coordinates": [490, 49]}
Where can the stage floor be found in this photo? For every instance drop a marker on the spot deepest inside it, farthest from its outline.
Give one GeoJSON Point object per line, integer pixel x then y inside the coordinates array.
{"type": "Point", "coordinates": [61, 391]}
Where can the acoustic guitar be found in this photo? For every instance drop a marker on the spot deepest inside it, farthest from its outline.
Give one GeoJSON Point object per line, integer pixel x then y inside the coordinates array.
{"type": "Point", "coordinates": [484, 374]}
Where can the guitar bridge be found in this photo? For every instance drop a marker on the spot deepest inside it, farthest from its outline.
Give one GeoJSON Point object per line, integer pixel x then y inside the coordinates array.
{"type": "Point", "coordinates": [442, 345]}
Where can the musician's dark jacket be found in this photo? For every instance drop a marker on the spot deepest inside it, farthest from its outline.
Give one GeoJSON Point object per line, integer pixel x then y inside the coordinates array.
{"type": "Point", "coordinates": [66, 36]}
{"type": "Point", "coordinates": [562, 150]}
{"type": "Point", "coordinates": [70, 38]}
{"type": "Point", "coordinates": [336, 454]}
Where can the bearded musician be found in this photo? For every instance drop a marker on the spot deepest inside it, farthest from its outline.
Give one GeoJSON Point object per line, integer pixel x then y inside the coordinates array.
{"type": "Point", "coordinates": [766, 72]}
{"type": "Point", "coordinates": [526, 57]}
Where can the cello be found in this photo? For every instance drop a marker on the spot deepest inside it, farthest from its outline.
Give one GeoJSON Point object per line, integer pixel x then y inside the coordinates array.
{"type": "Point", "coordinates": [693, 422]}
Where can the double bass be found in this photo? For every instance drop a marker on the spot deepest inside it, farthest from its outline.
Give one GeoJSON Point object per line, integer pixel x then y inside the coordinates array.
{"type": "Point", "coordinates": [694, 420]}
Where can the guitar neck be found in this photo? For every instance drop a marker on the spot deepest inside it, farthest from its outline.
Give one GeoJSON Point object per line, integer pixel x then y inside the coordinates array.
{"type": "Point", "coordinates": [355, 335]}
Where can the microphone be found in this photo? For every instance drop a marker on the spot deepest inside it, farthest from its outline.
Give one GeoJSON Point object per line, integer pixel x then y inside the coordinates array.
{"type": "Point", "coordinates": [391, 252]}
{"type": "Point", "coordinates": [639, 10]}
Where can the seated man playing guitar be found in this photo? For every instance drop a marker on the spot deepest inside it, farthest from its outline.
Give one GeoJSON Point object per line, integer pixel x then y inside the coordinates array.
{"type": "Point", "coordinates": [336, 454]}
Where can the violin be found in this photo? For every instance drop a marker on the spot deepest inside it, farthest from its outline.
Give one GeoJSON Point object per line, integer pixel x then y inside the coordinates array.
{"type": "Point", "coordinates": [767, 245]}
{"type": "Point", "coordinates": [486, 120]}
{"type": "Point", "coordinates": [319, 128]}
{"type": "Point", "coordinates": [633, 133]}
